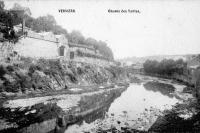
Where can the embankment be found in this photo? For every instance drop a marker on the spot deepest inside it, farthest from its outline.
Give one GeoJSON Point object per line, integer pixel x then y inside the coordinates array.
{"type": "Point", "coordinates": [47, 95]}
{"type": "Point", "coordinates": [55, 113]}
{"type": "Point", "coordinates": [29, 76]}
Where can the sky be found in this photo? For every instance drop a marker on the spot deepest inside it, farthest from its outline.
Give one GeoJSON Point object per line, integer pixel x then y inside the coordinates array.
{"type": "Point", "coordinates": [163, 27]}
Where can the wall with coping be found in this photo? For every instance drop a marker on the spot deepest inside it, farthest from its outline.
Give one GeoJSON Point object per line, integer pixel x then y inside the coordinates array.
{"type": "Point", "coordinates": [98, 62]}
{"type": "Point", "coordinates": [35, 48]}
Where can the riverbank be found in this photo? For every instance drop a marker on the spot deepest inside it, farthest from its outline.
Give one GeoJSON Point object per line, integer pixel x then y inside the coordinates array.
{"type": "Point", "coordinates": [137, 109]}
{"type": "Point", "coordinates": [184, 116]}
{"type": "Point", "coordinates": [43, 95]}
{"type": "Point", "coordinates": [43, 114]}
{"type": "Point", "coordinates": [148, 98]}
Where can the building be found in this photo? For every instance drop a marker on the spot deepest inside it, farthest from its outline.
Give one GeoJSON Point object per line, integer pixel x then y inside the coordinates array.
{"type": "Point", "coordinates": [50, 46]}
{"type": "Point", "coordinates": [41, 45]}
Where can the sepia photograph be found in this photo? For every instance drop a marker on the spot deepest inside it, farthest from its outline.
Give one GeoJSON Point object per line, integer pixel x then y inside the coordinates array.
{"type": "Point", "coordinates": [99, 66]}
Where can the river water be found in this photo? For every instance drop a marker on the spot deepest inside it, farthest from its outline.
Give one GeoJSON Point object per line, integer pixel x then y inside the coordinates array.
{"type": "Point", "coordinates": [137, 108]}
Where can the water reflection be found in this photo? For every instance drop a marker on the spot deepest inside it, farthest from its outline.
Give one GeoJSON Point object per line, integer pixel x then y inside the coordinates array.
{"type": "Point", "coordinates": [136, 107]}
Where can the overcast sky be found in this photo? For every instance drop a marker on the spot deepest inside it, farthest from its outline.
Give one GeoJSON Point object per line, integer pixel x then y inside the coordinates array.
{"type": "Point", "coordinates": [161, 27]}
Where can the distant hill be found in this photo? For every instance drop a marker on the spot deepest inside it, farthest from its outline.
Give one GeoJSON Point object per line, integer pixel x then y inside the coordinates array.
{"type": "Point", "coordinates": [140, 60]}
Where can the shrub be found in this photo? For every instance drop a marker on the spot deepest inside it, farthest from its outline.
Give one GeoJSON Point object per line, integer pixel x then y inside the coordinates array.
{"type": "Point", "coordinates": [33, 68]}
{"type": "Point", "coordinates": [10, 68]}
{"type": "Point", "coordinates": [2, 71]}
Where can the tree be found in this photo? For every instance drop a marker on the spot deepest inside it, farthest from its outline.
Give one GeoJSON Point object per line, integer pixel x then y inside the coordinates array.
{"type": "Point", "coordinates": [76, 37]}
{"type": "Point", "coordinates": [2, 5]}
{"type": "Point", "coordinates": [57, 29]}
{"type": "Point", "coordinates": [44, 23]}
{"type": "Point", "coordinates": [105, 50]}
{"type": "Point", "coordinates": [20, 13]}
{"type": "Point", "coordinates": [18, 7]}
{"type": "Point", "coordinates": [164, 67]}
{"type": "Point", "coordinates": [91, 42]}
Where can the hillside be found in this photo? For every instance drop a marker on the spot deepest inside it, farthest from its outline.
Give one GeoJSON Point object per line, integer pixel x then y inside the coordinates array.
{"type": "Point", "coordinates": [42, 75]}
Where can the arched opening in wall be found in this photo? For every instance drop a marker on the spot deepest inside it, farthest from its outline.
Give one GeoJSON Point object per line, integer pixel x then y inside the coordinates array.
{"type": "Point", "coordinates": [71, 55]}
{"type": "Point", "coordinates": [61, 50]}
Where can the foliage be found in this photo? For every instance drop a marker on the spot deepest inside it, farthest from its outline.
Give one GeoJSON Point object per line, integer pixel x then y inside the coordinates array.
{"type": "Point", "coordinates": [165, 67]}
{"type": "Point", "coordinates": [82, 54]}
{"type": "Point", "coordinates": [2, 71]}
{"type": "Point", "coordinates": [76, 37]}
{"type": "Point", "coordinates": [8, 19]}
{"type": "Point", "coordinates": [105, 50]}
{"type": "Point", "coordinates": [2, 5]}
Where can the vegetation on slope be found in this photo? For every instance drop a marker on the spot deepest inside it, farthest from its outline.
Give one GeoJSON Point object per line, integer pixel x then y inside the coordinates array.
{"type": "Point", "coordinates": [41, 75]}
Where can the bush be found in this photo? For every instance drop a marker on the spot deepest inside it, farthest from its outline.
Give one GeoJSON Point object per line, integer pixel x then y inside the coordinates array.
{"type": "Point", "coordinates": [10, 68]}
{"type": "Point", "coordinates": [165, 67]}
{"type": "Point", "coordinates": [33, 68]}
{"type": "Point", "coordinates": [2, 71]}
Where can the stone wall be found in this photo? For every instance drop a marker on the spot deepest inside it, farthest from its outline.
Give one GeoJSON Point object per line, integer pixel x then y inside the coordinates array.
{"type": "Point", "coordinates": [35, 48]}
{"type": "Point", "coordinates": [98, 62]}
{"type": "Point", "coordinates": [32, 47]}
{"type": "Point", "coordinates": [85, 50]}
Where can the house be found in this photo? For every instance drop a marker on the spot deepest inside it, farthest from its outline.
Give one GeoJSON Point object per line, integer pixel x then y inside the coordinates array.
{"type": "Point", "coordinates": [50, 46]}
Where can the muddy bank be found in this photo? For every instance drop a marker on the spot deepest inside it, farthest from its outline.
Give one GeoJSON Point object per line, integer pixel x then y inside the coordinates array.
{"type": "Point", "coordinates": [54, 113]}
{"type": "Point", "coordinates": [164, 88]}
{"type": "Point", "coordinates": [183, 117]}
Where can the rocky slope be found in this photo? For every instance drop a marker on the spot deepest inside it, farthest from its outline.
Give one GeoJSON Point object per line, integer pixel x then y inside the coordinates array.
{"type": "Point", "coordinates": [40, 75]}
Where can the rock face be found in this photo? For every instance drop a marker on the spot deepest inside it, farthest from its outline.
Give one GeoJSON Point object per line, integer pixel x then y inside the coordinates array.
{"type": "Point", "coordinates": [30, 75]}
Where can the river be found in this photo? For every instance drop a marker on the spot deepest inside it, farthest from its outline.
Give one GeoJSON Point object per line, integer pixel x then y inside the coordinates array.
{"type": "Point", "coordinates": [113, 109]}
{"type": "Point", "coordinates": [137, 107]}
